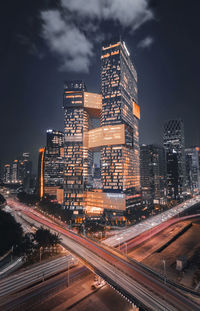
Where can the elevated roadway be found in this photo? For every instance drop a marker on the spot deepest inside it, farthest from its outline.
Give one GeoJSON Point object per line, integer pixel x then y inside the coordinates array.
{"type": "Point", "coordinates": [143, 237]}
{"type": "Point", "coordinates": [131, 278]}
{"type": "Point", "coordinates": [132, 232]}
{"type": "Point", "coordinates": [21, 280]}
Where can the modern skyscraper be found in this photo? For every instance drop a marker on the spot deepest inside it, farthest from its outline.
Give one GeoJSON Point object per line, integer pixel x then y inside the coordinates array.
{"type": "Point", "coordinates": [40, 175]}
{"type": "Point", "coordinates": [120, 114]}
{"type": "Point", "coordinates": [15, 175]}
{"type": "Point", "coordinates": [192, 169]}
{"type": "Point", "coordinates": [54, 163]}
{"type": "Point", "coordinates": [174, 144]}
{"type": "Point", "coordinates": [51, 165]}
{"type": "Point", "coordinates": [7, 174]}
{"type": "Point", "coordinates": [153, 174]}
{"type": "Point", "coordinates": [25, 171]}
{"type": "Point", "coordinates": [81, 108]}
{"type": "Point", "coordinates": [103, 128]}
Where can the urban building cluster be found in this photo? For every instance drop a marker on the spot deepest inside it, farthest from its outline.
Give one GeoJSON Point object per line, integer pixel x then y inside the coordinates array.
{"type": "Point", "coordinates": [19, 172]}
{"type": "Point", "coordinates": [169, 172]}
{"type": "Point", "coordinates": [95, 167]}
{"type": "Point", "coordinates": [101, 143]}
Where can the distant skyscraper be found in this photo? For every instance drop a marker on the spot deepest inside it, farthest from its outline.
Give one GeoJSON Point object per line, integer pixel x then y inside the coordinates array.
{"type": "Point", "coordinates": [40, 175]}
{"type": "Point", "coordinates": [25, 171]}
{"type": "Point", "coordinates": [153, 173]}
{"type": "Point", "coordinates": [54, 163]}
{"type": "Point", "coordinates": [174, 144]}
{"type": "Point", "coordinates": [51, 165]}
{"type": "Point", "coordinates": [192, 169]}
{"type": "Point", "coordinates": [7, 174]}
{"type": "Point", "coordinates": [15, 175]}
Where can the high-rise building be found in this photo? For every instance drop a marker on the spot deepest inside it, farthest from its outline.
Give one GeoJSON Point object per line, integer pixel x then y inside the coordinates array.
{"type": "Point", "coordinates": [153, 174]}
{"type": "Point", "coordinates": [53, 163]}
{"type": "Point", "coordinates": [40, 175]}
{"type": "Point", "coordinates": [104, 129]}
{"type": "Point", "coordinates": [81, 114]}
{"type": "Point", "coordinates": [25, 171]}
{"type": "Point", "coordinates": [7, 174]}
{"type": "Point", "coordinates": [120, 115]}
{"type": "Point", "coordinates": [192, 169]}
{"type": "Point", "coordinates": [173, 140]}
{"type": "Point", "coordinates": [15, 175]}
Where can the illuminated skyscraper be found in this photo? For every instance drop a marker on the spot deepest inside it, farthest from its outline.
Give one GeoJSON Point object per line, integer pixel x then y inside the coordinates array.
{"type": "Point", "coordinates": [192, 169]}
{"type": "Point", "coordinates": [153, 173]}
{"type": "Point", "coordinates": [7, 174]}
{"type": "Point", "coordinates": [25, 171]}
{"type": "Point", "coordinates": [174, 144]}
{"type": "Point", "coordinates": [15, 176]}
{"type": "Point", "coordinates": [54, 163]}
{"type": "Point", "coordinates": [81, 108]}
{"type": "Point", "coordinates": [120, 114]}
{"type": "Point", "coordinates": [51, 165]}
{"type": "Point", "coordinates": [102, 131]}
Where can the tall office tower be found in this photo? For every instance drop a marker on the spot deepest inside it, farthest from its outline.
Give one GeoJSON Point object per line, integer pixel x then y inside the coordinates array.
{"type": "Point", "coordinates": [192, 169]}
{"type": "Point", "coordinates": [152, 174]}
{"type": "Point", "coordinates": [173, 140]}
{"type": "Point", "coordinates": [101, 131]}
{"type": "Point", "coordinates": [25, 171]}
{"type": "Point", "coordinates": [15, 176]}
{"type": "Point", "coordinates": [53, 163]}
{"type": "Point", "coordinates": [40, 175]}
{"type": "Point", "coordinates": [7, 174]}
{"type": "Point", "coordinates": [120, 115]}
{"type": "Point", "coordinates": [81, 109]}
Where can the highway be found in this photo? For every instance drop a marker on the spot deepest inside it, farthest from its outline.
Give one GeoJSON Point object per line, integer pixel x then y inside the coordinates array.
{"type": "Point", "coordinates": [130, 233]}
{"type": "Point", "coordinates": [130, 278]}
{"type": "Point", "coordinates": [152, 232]}
{"type": "Point", "coordinates": [21, 280]}
{"type": "Point", "coordinates": [33, 297]}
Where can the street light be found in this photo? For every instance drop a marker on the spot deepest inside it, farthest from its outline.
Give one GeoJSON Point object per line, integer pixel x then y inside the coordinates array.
{"type": "Point", "coordinates": [125, 247]}
{"type": "Point", "coordinates": [164, 266]}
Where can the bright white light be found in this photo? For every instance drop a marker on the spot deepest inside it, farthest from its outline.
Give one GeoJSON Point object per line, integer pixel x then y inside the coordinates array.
{"type": "Point", "coordinates": [126, 48]}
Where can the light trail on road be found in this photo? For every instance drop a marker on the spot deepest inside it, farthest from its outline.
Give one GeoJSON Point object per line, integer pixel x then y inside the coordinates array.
{"type": "Point", "coordinates": [130, 278]}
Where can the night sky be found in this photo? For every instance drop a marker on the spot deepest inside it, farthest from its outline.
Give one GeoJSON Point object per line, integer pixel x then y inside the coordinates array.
{"type": "Point", "coordinates": [44, 43]}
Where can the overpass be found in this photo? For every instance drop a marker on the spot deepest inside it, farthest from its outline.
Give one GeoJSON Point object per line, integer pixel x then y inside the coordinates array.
{"type": "Point", "coordinates": [143, 237]}
{"type": "Point", "coordinates": [149, 224]}
{"type": "Point", "coordinates": [130, 278]}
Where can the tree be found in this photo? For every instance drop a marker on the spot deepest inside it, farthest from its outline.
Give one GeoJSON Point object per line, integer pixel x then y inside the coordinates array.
{"type": "Point", "coordinates": [45, 238]}
{"type": "Point", "coordinates": [11, 232]}
{"type": "Point", "coordinates": [2, 199]}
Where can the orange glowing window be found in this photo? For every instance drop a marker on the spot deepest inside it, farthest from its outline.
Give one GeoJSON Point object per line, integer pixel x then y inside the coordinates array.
{"type": "Point", "coordinates": [136, 110]}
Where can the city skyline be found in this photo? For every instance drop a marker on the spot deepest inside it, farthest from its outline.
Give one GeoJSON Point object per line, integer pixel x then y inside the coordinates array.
{"type": "Point", "coordinates": [166, 90]}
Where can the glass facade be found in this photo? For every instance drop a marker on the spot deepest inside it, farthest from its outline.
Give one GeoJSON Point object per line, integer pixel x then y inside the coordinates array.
{"type": "Point", "coordinates": [120, 164]}
{"type": "Point", "coordinates": [51, 164]}
{"type": "Point", "coordinates": [153, 173]}
{"type": "Point", "coordinates": [101, 135]}
{"type": "Point", "coordinates": [174, 143]}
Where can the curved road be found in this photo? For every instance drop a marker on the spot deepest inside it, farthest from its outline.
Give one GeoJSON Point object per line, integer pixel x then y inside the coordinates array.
{"type": "Point", "coordinates": [130, 278]}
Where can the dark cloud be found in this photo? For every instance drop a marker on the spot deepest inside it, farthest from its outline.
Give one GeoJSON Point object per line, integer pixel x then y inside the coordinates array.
{"type": "Point", "coordinates": [71, 30]}
{"type": "Point", "coordinates": [146, 42]}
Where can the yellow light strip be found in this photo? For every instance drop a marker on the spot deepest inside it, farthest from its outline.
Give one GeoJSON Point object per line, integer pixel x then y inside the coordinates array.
{"type": "Point", "coordinates": [110, 46]}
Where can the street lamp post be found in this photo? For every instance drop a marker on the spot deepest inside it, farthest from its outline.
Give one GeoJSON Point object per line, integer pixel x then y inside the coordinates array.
{"type": "Point", "coordinates": [68, 273]}
{"type": "Point", "coordinates": [164, 266]}
{"type": "Point", "coordinates": [125, 247]}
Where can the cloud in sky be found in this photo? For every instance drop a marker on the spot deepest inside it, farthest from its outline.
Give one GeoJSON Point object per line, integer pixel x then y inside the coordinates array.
{"type": "Point", "coordinates": [64, 28]}
{"type": "Point", "coordinates": [146, 42]}
{"type": "Point", "coordinates": [67, 41]}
